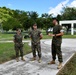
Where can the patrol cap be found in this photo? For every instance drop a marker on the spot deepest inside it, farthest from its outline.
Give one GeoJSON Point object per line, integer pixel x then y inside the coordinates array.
{"type": "Point", "coordinates": [18, 29]}
{"type": "Point", "coordinates": [55, 18]}
{"type": "Point", "coordinates": [34, 24]}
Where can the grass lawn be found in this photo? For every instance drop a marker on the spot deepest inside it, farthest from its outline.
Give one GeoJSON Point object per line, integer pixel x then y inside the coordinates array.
{"type": "Point", "coordinates": [7, 51]}
{"type": "Point", "coordinates": [70, 67]}
{"type": "Point", "coordinates": [10, 36]}
{"type": "Point", "coordinates": [64, 36]}
{"type": "Point", "coordinates": [6, 36]}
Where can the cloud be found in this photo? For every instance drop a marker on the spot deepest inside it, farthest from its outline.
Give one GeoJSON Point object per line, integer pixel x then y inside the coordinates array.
{"type": "Point", "coordinates": [9, 4]}
{"type": "Point", "coordinates": [72, 4]}
{"type": "Point", "coordinates": [57, 10]}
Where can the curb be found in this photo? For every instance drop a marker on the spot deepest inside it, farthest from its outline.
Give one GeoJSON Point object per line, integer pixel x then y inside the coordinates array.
{"type": "Point", "coordinates": [66, 63]}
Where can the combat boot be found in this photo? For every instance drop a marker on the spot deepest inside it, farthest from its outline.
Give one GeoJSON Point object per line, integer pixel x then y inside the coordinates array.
{"type": "Point", "coordinates": [22, 59]}
{"type": "Point", "coordinates": [59, 66]}
{"type": "Point", "coordinates": [33, 59]}
{"type": "Point", "coordinates": [17, 59]}
{"type": "Point", "coordinates": [39, 60]}
{"type": "Point", "coordinates": [51, 62]}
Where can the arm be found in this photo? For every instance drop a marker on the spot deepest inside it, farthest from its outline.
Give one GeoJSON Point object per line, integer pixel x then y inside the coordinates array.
{"type": "Point", "coordinates": [41, 36]}
{"type": "Point", "coordinates": [30, 32]}
{"type": "Point", "coordinates": [51, 35]}
{"type": "Point", "coordinates": [60, 34]}
{"type": "Point", "coordinates": [14, 39]}
{"type": "Point", "coordinates": [23, 39]}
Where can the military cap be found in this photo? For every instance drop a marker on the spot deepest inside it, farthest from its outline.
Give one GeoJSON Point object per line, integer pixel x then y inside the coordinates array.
{"type": "Point", "coordinates": [55, 19]}
{"type": "Point", "coordinates": [34, 24]}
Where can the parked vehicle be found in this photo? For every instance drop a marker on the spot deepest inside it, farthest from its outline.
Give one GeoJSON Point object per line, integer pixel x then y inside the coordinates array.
{"type": "Point", "coordinates": [49, 30]}
{"type": "Point", "coordinates": [69, 30]}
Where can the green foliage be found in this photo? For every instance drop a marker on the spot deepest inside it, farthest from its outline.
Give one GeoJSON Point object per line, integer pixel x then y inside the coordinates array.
{"type": "Point", "coordinates": [12, 19]}
{"type": "Point", "coordinates": [5, 14]}
{"type": "Point", "coordinates": [28, 23]}
{"type": "Point", "coordinates": [33, 15]}
{"type": "Point", "coordinates": [69, 13]}
{"type": "Point", "coordinates": [11, 23]}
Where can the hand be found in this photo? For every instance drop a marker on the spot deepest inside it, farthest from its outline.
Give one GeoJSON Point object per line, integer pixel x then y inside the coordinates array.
{"type": "Point", "coordinates": [41, 36]}
{"type": "Point", "coordinates": [51, 34]}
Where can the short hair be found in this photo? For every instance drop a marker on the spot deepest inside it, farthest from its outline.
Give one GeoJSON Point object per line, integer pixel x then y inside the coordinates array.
{"type": "Point", "coordinates": [18, 29]}
{"type": "Point", "coordinates": [56, 19]}
{"type": "Point", "coordinates": [35, 24]}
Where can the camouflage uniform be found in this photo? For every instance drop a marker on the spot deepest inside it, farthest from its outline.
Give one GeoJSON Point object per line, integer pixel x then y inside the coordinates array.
{"type": "Point", "coordinates": [56, 44]}
{"type": "Point", "coordinates": [35, 42]}
{"type": "Point", "coordinates": [18, 44]}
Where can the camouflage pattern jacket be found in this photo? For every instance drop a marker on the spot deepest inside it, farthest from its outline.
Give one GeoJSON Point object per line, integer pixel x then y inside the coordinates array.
{"type": "Point", "coordinates": [18, 39]}
{"type": "Point", "coordinates": [35, 36]}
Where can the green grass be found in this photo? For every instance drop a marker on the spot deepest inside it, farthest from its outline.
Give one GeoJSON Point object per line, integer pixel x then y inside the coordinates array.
{"type": "Point", "coordinates": [6, 36]}
{"type": "Point", "coordinates": [64, 36]}
{"type": "Point", "coordinates": [69, 36]}
{"type": "Point", "coordinates": [7, 51]}
{"type": "Point", "coordinates": [10, 36]}
{"type": "Point", "coordinates": [69, 68]}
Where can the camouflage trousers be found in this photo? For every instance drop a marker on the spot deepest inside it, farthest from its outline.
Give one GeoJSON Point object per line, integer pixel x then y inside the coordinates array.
{"type": "Point", "coordinates": [56, 50]}
{"type": "Point", "coordinates": [37, 48]}
{"type": "Point", "coordinates": [19, 49]}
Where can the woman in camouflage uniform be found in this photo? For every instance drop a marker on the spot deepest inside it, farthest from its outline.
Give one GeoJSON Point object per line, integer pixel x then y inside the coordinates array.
{"type": "Point", "coordinates": [18, 44]}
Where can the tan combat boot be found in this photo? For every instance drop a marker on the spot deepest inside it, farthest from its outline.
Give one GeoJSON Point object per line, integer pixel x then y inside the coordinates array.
{"type": "Point", "coordinates": [17, 59]}
{"type": "Point", "coordinates": [33, 59]}
{"type": "Point", "coordinates": [51, 62]}
{"type": "Point", "coordinates": [59, 66]}
{"type": "Point", "coordinates": [22, 59]}
{"type": "Point", "coordinates": [39, 60]}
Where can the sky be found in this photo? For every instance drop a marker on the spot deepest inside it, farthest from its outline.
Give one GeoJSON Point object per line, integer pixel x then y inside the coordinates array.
{"type": "Point", "coordinates": [40, 6]}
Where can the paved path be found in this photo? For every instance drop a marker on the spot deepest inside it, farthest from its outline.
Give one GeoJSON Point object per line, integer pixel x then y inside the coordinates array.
{"type": "Point", "coordinates": [33, 67]}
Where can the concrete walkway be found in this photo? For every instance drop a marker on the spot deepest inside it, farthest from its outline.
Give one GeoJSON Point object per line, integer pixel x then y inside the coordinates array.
{"type": "Point", "coordinates": [33, 67]}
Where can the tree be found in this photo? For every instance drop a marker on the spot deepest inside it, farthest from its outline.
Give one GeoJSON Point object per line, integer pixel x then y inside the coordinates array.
{"type": "Point", "coordinates": [11, 23]}
{"type": "Point", "coordinates": [28, 23]}
{"type": "Point", "coordinates": [39, 22]}
{"type": "Point", "coordinates": [33, 15]}
{"type": "Point", "coordinates": [68, 13]}
{"type": "Point", "coordinates": [47, 20]}
{"type": "Point", "coordinates": [6, 27]}
{"type": "Point", "coordinates": [45, 15]}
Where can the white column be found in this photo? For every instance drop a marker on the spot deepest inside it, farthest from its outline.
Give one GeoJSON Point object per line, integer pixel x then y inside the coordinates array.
{"type": "Point", "coordinates": [60, 23]}
{"type": "Point", "coordinates": [72, 28]}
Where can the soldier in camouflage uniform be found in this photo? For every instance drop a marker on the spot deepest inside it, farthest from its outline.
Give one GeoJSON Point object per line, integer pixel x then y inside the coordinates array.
{"type": "Point", "coordinates": [56, 43]}
{"type": "Point", "coordinates": [36, 35]}
{"type": "Point", "coordinates": [18, 45]}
